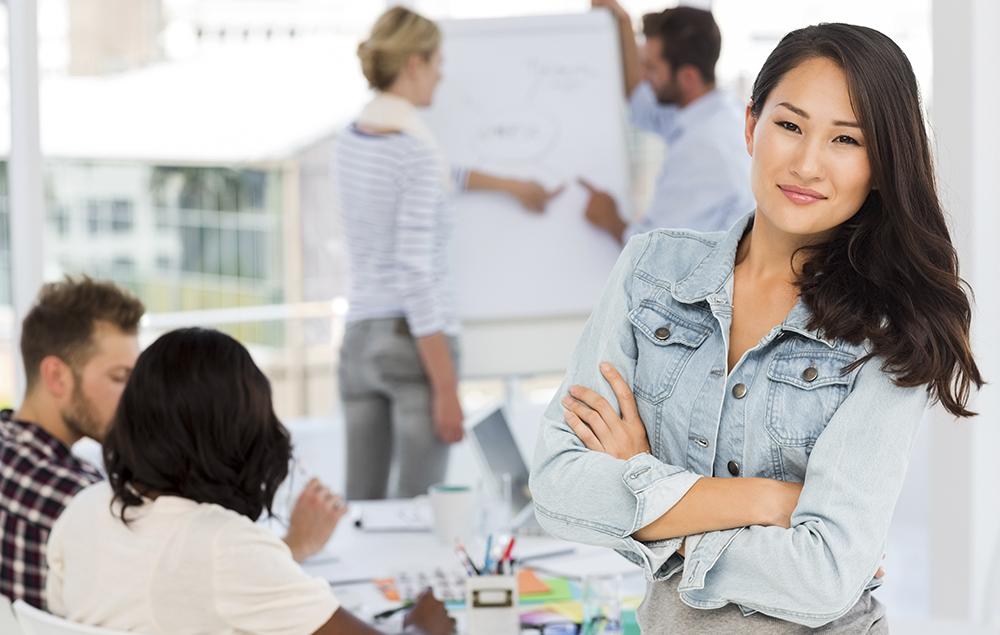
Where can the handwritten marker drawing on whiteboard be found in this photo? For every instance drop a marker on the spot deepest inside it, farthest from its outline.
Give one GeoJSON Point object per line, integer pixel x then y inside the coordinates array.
{"type": "Point", "coordinates": [533, 98]}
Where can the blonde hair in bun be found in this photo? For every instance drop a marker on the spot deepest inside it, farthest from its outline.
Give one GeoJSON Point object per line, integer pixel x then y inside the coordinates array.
{"type": "Point", "coordinates": [396, 36]}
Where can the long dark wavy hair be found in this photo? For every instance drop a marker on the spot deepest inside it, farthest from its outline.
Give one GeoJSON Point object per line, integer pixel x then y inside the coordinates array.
{"type": "Point", "coordinates": [196, 420]}
{"type": "Point", "coordinates": [890, 275]}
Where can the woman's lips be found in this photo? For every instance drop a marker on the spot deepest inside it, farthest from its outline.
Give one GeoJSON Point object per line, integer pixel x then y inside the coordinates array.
{"type": "Point", "coordinates": [801, 194]}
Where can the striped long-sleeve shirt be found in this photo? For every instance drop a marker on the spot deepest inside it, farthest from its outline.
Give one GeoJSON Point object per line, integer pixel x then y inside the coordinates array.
{"type": "Point", "coordinates": [397, 222]}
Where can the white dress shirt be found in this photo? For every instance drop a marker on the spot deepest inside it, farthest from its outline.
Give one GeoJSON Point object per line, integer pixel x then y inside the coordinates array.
{"type": "Point", "coordinates": [705, 181]}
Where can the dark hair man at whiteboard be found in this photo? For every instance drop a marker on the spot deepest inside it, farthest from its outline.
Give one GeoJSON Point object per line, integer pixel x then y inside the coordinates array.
{"type": "Point", "coordinates": [705, 180]}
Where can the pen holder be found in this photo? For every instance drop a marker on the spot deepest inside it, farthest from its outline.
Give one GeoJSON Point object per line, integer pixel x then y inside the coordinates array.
{"type": "Point", "coordinates": [491, 605]}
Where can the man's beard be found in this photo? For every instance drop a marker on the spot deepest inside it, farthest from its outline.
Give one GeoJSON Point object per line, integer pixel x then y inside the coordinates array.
{"type": "Point", "coordinates": [668, 95]}
{"type": "Point", "coordinates": [81, 415]}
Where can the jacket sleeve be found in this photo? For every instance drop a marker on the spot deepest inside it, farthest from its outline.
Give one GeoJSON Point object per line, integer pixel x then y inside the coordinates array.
{"type": "Point", "coordinates": [592, 497]}
{"type": "Point", "coordinates": [816, 571]}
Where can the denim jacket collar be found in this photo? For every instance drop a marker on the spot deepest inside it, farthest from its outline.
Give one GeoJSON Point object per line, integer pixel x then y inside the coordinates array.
{"type": "Point", "coordinates": [709, 278]}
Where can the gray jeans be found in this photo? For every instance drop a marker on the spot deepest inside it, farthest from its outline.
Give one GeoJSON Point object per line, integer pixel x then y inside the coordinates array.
{"type": "Point", "coordinates": [387, 410]}
{"type": "Point", "coordinates": [663, 612]}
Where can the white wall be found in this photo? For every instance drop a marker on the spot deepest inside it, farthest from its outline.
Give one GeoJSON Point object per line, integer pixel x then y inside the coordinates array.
{"type": "Point", "coordinates": [965, 490]}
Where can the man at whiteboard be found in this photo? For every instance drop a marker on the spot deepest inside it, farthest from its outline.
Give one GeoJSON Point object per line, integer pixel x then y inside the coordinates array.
{"type": "Point", "coordinates": [705, 180]}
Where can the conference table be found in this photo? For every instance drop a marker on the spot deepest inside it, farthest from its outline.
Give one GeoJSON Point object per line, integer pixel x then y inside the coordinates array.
{"type": "Point", "coordinates": [356, 561]}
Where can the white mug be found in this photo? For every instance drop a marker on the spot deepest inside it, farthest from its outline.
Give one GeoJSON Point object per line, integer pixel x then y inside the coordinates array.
{"type": "Point", "coordinates": [452, 506]}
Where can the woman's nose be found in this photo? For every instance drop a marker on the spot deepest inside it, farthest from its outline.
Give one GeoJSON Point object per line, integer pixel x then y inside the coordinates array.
{"type": "Point", "coordinates": [807, 163]}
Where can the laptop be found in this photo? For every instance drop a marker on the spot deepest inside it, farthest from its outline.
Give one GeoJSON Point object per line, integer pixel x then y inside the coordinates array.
{"type": "Point", "coordinates": [498, 455]}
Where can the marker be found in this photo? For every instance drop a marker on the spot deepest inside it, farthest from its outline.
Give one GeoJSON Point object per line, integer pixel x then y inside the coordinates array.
{"type": "Point", "coordinates": [506, 554]}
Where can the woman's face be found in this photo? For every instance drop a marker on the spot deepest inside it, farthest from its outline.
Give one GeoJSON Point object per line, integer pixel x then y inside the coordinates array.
{"type": "Point", "coordinates": [427, 77]}
{"type": "Point", "coordinates": [809, 171]}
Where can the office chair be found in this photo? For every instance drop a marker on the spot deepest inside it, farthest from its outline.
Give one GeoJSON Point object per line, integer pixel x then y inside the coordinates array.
{"type": "Point", "coordinates": [37, 622]}
{"type": "Point", "coordinates": [8, 621]}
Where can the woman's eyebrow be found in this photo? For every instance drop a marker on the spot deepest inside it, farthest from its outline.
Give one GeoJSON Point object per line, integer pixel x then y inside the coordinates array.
{"type": "Point", "coordinates": [797, 111]}
{"type": "Point", "coordinates": [805, 115]}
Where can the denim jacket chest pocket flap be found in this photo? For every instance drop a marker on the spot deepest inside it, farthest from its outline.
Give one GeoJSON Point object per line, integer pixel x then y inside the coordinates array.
{"type": "Point", "coordinates": [666, 340]}
{"type": "Point", "coordinates": [805, 389]}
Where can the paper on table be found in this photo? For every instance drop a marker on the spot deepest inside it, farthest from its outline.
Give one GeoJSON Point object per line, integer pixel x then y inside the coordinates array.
{"type": "Point", "coordinates": [528, 582]}
{"type": "Point", "coordinates": [559, 591]}
{"type": "Point", "coordinates": [376, 518]}
{"type": "Point", "coordinates": [571, 610]}
{"type": "Point", "coordinates": [388, 588]}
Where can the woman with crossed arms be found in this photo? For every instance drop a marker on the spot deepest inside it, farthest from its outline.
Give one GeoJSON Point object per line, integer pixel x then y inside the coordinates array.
{"type": "Point", "coordinates": [773, 377]}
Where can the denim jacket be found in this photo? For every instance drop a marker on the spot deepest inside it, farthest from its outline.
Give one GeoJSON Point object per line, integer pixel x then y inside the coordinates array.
{"type": "Point", "coordinates": [786, 411]}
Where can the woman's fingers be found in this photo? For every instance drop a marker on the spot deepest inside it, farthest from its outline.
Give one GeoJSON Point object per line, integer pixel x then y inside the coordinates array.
{"type": "Point", "coordinates": [626, 400]}
{"type": "Point", "coordinates": [584, 432]}
{"type": "Point", "coordinates": [596, 402]}
{"type": "Point", "coordinates": [588, 415]}
{"type": "Point", "coordinates": [554, 193]}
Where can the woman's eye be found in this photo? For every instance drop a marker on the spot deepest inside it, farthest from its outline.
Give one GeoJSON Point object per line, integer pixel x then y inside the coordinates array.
{"type": "Point", "coordinates": [847, 139]}
{"type": "Point", "coordinates": [789, 126]}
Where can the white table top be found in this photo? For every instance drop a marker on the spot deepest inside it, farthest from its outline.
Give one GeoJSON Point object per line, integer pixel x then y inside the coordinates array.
{"type": "Point", "coordinates": [354, 557]}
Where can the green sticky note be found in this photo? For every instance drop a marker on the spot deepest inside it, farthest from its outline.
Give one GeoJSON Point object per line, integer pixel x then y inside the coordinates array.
{"type": "Point", "coordinates": [559, 592]}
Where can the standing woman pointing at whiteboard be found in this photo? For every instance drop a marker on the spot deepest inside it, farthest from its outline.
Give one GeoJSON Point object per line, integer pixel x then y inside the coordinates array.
{"type": "Point", "coordinates": [398, 365]}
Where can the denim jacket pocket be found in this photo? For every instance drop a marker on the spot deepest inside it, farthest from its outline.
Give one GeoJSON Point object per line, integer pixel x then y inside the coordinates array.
{"type": "Point", "coordinates": [804, 392]}
{"type": "Point", "coordinates": [666, 341]}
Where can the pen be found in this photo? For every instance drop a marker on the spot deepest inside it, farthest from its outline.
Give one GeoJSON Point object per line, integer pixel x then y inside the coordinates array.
{"type": "Point", "coordinates": [389, 613]}
{"type": "Point", "coordinates": [489, 546]}
{"type": "Point", "coordinates": [464, 559]}
{"type": "Point", "coordinates": [551, 554]}
{"type": "Point", "coordinates": [459, 547]}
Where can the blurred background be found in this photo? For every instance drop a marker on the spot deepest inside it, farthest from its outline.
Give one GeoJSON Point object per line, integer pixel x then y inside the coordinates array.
{"type": "Point", "coordinates": [186, 146]}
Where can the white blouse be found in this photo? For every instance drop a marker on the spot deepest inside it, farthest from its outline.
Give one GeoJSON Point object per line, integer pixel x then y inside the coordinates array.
{"type": "Point", "coordinates": [178, 567]}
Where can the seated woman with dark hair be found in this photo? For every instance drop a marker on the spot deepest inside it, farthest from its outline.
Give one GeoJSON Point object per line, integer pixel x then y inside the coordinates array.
{"type": "Point", "coordinates": [169, 543]}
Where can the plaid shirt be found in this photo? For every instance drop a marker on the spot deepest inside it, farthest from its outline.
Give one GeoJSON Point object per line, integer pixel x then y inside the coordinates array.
{"type": "Point", "coordinates": [38, 478]}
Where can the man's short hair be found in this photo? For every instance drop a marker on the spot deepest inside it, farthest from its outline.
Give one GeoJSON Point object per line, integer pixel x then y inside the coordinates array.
{"type": "Point", "coordinates": [63, 319]}
{"type": "Point", "coordinates": [689, 36]}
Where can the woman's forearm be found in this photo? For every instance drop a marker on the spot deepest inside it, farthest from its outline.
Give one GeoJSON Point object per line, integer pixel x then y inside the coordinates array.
{"type": "Point", "coordinates": [435, 356]}
{"type": "Point", "coordinates": [725, 503]}
{"type": "Point", "coordinates": [530, 194]}
{"type": "Point", "coordinates": [481, 181]}
{"type": "Point", "coordinates": [446, 409]}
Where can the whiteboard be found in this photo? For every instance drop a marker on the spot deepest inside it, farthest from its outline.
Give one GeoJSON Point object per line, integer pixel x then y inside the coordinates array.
{"type": "Point", "coordinates": [541, 98]}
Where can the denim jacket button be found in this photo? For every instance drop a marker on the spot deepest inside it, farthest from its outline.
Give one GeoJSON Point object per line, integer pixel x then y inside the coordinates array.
{"type": "Point", "coordinates": [810, 374]}
{"type": "Point", "coordinates": [734, 468]}
{"type": "Point", "coordinates": [739, 391]}
{"type": "Point", "coordinates": [662, 333]}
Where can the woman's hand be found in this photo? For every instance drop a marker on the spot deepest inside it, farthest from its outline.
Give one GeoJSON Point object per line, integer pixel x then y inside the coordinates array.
{"type": "Point", "coordinates": [599, 426]}
{"type": "Point", "coordinates": [428, 617]}
{"type": "Point", "coordinates": [313, 519]}
{"type": "Point", "coordinates": [448, 417]}
{"type": "Point", "coordinates": [532, 195]}
{"type": "Point", "coordinates": [777, 501]}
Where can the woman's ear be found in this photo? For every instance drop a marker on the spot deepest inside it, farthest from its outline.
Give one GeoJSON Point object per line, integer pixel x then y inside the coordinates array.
{"type": "Point", "coordinates": [414, 64]}
{"type": "Point", "coordinates": [749, 127]}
